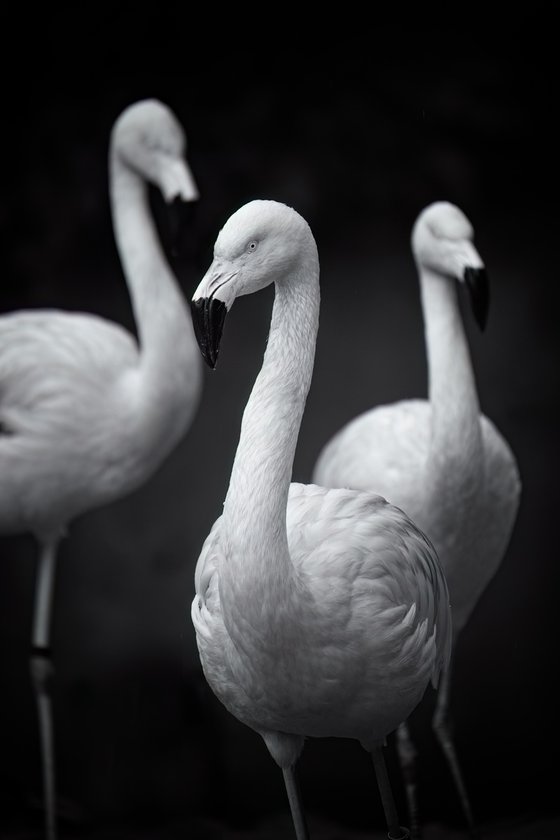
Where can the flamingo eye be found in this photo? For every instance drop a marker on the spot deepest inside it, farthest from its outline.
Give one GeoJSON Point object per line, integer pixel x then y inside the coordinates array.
{"type": "Point", "coordinates": [252, 246]}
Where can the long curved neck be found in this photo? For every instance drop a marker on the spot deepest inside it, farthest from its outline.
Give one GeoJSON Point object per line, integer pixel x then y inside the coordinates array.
{"type": "Point", "coordinates": [456, 435]}
{"type": "Point", "coordinates": [255, 506]}
{"type": "Point", "coordinates": [163, 323]}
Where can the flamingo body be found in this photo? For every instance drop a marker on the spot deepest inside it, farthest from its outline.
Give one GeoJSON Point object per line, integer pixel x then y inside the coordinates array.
{"type": "Point", "coordinates": [440, 459]}
{"type": "Point", "coordinates": [387, 449]}
{"type": "Point", "coordinates": [351, 651]}
{"type": "Point", "coordinates": [87, 411]}
{"type": "Point", "coordinates": [317, 612]}
{"type": "Point", "coordinates": [78, 428]}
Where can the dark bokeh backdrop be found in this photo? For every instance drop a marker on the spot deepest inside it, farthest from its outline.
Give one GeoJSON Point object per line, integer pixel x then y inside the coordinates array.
{"type": "Point", "coordinates": [359, 145]}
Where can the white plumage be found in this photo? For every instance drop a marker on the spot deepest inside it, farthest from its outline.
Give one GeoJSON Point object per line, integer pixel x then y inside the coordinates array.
{"type": "Point", "coordinates": [317, 612]}
{"type": "Point", "coordinates": [86, 412]}
{"type": "Point", "coordinates": [440, 459]}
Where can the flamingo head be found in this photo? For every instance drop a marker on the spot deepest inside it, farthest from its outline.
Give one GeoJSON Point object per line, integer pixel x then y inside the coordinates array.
{"type": "Point", "coordinates": [257, 246]}
{"type": "Point", "coordinates": [148, 138]}
{"type": "Point", "coordinates": [442, 242]}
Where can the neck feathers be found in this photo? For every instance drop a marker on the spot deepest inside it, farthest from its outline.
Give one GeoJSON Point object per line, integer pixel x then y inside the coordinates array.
{"type": "Point", "coordinates": [456, 434]}
{"type": "Point", "coordinates": [168, 353]}
{"type": "Point", "coordinates": [255, 506]}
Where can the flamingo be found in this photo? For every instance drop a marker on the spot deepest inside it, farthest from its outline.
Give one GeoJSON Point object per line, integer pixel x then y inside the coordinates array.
{"type": "Point", "coordinates": [87, 413]}
{"type": "Point", "coordinates": [439, 459]}
{"type": "Point", "coordinates": [317, 612]}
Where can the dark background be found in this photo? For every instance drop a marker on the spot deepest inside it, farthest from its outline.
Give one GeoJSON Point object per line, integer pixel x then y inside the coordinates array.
{"type": "Point", "coordinates": [359, 141]}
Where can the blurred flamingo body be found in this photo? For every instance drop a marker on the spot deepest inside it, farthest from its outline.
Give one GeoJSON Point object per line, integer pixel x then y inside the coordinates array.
{"type": "Point", "coordinates": [439, 459]}
{"type": "Point", "coordinates": [317, 612]}
{"type": "Point", "coordinates": [87, 413]}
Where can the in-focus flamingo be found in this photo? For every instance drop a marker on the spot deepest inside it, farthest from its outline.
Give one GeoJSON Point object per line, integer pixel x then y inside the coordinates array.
{"type": "Point", "coordinates": [317, 612]}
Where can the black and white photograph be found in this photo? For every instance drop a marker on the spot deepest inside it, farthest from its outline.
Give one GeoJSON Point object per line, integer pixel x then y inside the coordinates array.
{"type": "Point", "coordinates": [279, 408]}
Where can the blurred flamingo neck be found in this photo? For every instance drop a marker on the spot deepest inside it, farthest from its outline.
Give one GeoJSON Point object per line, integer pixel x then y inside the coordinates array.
{"type": "Point", "coordinates": [159, 309]}
{"type": "Point", "coordinates": [452, 387]}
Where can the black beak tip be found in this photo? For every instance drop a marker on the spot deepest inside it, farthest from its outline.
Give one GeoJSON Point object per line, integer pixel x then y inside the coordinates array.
{"type": "Point", "coordinates": [180, 215]}
{"type": "Point", "coordinates": [476, 280]}
{"type": "Point", "coordinates": [211, 360]}
{"type": "Point", "coordinates": [208, 316]}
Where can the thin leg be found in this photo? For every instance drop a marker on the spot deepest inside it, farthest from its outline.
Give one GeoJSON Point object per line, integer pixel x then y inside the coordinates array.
{"type": "Point", "coordinates": [394, 830]}
{"type": "Point", "coordinates": [41, 674]}
{"type": "Point", "coordinates": [296, 806]}
{"type": "Point", "coordinates": [407, 758]}
{"type": "Point", "coordinates": [442, 732]}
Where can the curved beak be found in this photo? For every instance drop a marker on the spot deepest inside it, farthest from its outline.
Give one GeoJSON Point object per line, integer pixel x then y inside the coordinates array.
{"type": "Point", "coordinates": [176, 180]}
{"type": "Point", "coordinates": [476, 281]}
{"type": "Point", "coordinates": [208, 316]}
{"type": "Point", "coordinates": [209, 310]}
{"type": "Point", "coordinates": [178, 216]}
{"type": "Point", "coordinates": [177, 186]}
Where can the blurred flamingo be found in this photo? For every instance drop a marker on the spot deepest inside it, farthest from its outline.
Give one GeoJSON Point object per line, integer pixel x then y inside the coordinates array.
{"type": "Point", "coordinates": [440, 459]}
{"type": "Point", "coordinates": [87, 413]}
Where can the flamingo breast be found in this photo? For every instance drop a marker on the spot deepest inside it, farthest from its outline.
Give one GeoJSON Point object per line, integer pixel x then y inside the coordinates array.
{"type": "Point", "coordinates": [387, 450]}
{"type": "Point", "coordinates": [75, 428]}
{"type": "Point", "coordinates": [367, 630]}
